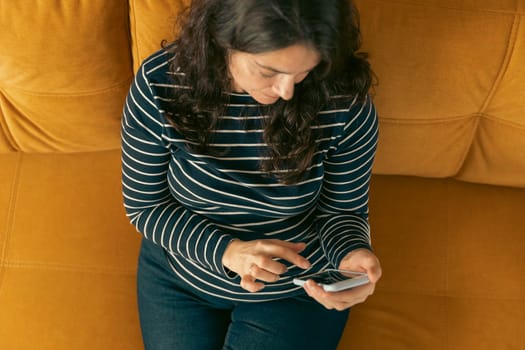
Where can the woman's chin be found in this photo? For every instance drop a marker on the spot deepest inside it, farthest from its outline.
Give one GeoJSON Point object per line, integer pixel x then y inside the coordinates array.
{"type": "Point", "coordinates": [265, 99]}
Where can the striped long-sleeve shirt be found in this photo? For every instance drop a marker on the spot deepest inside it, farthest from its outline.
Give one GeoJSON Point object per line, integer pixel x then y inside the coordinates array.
{"type": "Point", "coordinates": [193, 204]}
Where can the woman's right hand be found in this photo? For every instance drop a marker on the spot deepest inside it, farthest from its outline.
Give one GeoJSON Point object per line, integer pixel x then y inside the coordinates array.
{"type": "Point", "coordinates": [255, 261]}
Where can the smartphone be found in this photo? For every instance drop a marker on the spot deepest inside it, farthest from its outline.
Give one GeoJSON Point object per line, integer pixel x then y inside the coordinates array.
{"type": "Point", "coordinates": [333, 280]}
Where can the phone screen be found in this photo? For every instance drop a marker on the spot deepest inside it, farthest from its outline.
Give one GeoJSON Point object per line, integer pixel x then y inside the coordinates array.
{"type": "Point", "coordinates": [330, 276]}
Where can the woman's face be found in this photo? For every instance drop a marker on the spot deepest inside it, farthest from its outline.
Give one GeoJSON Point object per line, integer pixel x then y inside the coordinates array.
{"type": "Point", "coordinates": [271, 75]}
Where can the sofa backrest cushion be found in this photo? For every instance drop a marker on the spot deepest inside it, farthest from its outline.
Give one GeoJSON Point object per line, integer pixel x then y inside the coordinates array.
{"type": "Point", "coordinates": [65, 68]}
{"type": "Point", "coordinates": [450, 95]}
{"type": "Point", "coordinates": [451, 91]}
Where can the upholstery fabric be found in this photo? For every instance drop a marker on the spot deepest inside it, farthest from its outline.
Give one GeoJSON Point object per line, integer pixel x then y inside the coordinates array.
{"type": "Point", "coordinates": [452, 256]}
{"type": "Point", "coordinates": [447, 197]}
{"type": "Point", "coordinates": [65, 67]}
{"type": "Point", "coordinates": [450, 87]}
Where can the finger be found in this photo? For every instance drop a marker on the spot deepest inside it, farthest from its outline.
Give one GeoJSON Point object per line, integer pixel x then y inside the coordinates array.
{"type": "Point", "coordinates": [263, 274]}
{"type": "Point", "coordinates": [296, 246]}
{"type": "Point", "coordinates": [250, 284]}
{"type": "Point", "coordinates": [374, 273]}
{"type": "Point", "coordinates": [326, 298]}
{"type": "Point", "coordinates": [338, 300]}
{"type": "Point", "coordinates": [316, 292]}
{"type": "Point", "coordinates": [358, 294]}
{"type": "Point", "coordinates": [267, 263]}
{"type": "Point", "coordinates": [284, 251]}
{"type": "Point", "coordinates": [363, 260]}
{"type": "Point", "coordinates": [372, 267]}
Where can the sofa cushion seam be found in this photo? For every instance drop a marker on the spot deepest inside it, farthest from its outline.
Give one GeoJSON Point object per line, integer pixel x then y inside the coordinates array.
{"type": "Point", "coordinates": [13, 199]}
{"type": "Point", "coordinates": [459, 9]}
{"type": "Point", "coordinates": [86, 93]}
{"type": "Point", "coordinates": [67, 267]}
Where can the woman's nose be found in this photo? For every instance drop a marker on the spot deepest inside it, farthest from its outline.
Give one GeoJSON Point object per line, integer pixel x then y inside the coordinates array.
{"type": "Point", "coordinates": [284, 87]}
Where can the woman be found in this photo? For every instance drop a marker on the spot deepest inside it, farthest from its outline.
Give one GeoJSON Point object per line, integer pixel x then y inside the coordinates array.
{"type": "Point", "coordinates": [247, 147]}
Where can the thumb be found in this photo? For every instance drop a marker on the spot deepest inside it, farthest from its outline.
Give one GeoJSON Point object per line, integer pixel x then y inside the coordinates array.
{"type": "Point", "coordinates": [373, 268]}
{"type": "Point", "coordinates": [365, 261]}
{"type": "Point", "coordinates": [374, 273]}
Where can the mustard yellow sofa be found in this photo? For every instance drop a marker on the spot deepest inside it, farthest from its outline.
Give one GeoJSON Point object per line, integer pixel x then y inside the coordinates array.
{"type": "Point", "coordinates": [447, 197]}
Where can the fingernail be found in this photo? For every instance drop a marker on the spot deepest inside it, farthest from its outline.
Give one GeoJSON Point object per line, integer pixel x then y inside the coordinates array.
{"type": "Point", "coordinates": [300, 246]}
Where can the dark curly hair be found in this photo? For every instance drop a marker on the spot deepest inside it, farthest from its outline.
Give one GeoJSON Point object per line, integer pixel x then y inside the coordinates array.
{"type": "Point", "coordinates": [210, 29]}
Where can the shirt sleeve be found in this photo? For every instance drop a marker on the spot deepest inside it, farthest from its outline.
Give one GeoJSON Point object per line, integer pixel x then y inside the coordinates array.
{"type": "Point", "coordinates": [342, 222]}
{"type": "Point", "coordinates": [147, 199]}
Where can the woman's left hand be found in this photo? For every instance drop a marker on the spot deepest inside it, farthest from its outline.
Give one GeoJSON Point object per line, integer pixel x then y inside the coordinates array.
{"type": "Point", "coordinates": [361, 260]}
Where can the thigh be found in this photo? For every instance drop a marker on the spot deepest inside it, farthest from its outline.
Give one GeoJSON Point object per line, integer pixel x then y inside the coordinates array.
{"type": "Point", "coordinates": [171, 317]}
{"type": "Point", "coordinates": [287, 324]}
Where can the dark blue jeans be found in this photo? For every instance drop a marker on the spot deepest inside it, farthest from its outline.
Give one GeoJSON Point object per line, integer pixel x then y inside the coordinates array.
{"type": "Point", "coordinates": [173, 316]}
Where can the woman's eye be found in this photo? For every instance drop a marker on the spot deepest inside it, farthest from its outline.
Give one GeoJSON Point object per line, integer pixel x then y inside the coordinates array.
{"type": "Point", "coordinates": [267, 75]}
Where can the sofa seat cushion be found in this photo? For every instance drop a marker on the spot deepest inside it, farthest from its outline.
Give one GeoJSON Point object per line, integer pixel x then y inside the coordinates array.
{"type": "Point", "coordinates": [67, 254]}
